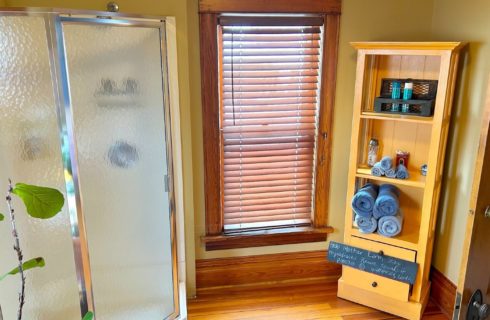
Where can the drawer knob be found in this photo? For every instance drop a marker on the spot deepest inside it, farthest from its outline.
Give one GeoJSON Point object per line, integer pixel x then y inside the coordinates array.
{"type": "Point", "coordinates": [374, 284]}
{"type": "Point", "coordinates": [381, 253]}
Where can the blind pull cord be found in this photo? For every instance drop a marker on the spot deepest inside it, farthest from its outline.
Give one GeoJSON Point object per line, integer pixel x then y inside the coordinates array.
{"type": "Point", "coordinates": [234, 124]}
{"type": "Point", "coordinates": [298, 99]}
{"type": "Point", "coordinates": [232, 78]}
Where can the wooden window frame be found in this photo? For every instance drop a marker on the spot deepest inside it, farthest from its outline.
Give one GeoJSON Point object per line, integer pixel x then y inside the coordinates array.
{"type": "Point", "coordinates": [209, 12]}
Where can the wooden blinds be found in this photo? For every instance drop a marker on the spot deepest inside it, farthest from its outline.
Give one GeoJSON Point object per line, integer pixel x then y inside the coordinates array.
{"type": "Point", "coordinates": [270, 73]}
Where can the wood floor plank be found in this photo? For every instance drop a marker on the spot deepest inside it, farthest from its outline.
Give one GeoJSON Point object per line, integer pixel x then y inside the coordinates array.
{"type": "Point", "coordinates": [305, 300]}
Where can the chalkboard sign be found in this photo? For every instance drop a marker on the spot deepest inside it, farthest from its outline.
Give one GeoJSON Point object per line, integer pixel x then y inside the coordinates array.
{"type": "Point", "coordinates": [373, 262]}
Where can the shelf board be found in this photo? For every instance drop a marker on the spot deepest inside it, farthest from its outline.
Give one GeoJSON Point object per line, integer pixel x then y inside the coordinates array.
{"type": "Point", "coordinates": [407, 239]}
{"type": "Point", "coordinates": [415, 179]}
{"type": "Point", "coordinates": [396, 117]}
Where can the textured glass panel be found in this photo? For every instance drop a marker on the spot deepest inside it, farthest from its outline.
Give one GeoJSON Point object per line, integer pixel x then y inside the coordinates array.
{"type": "Point", "coordinates": [30, 153]}
{"type": "Point", "coordinates": [116, 91]}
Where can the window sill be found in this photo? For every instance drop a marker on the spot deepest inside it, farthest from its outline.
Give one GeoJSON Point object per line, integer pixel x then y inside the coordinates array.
{"type": "Point", "coordinates": [266, 238]}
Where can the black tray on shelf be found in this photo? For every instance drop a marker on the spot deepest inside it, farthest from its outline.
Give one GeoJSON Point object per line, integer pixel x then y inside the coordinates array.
{"type": "Point", "coordinates": [421, 104]}
{"type": "Point", "coordinates": [423, 108]}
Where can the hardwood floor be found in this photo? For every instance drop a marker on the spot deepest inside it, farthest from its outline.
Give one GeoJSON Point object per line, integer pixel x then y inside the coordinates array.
{"type": "Point", "coordinates": [305, 300]}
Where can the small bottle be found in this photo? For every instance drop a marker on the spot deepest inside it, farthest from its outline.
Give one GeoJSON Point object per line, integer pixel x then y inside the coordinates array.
{"type": "Point", "coordinates": [373, 152]}
{"type": "Point", "coordinates": [395, 94]}
{"type": "Point", "coordinates": [407, 95]}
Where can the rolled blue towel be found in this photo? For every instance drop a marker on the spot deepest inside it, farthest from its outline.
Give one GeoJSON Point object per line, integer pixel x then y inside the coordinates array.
{"type": "Point", "coordinates": [390, 173]}
{"type": "Point", "coordinates": [387, 203]}
{"type": "Point", "coordinates": [366, 224]}
{"type": "Point", "coordinates": [386, 163]}
{"type": "Point", "coordinates": [401, 172]}
{"type": "Point", "coordinates": [363, 200]}
{"type": "Point", "coordinates": [390, 226]}
{"type": "Point", "coordinates": [376, 170]}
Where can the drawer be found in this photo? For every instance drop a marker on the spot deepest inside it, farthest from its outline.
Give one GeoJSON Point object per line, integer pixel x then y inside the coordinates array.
{"type": "Point", "coordinates": [392, 251]}
{"type": "Point", "coordinates": [376, 284]}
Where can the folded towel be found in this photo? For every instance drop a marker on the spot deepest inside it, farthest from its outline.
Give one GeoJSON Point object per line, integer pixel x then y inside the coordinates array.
{"type": "Point", "coordinates": [363, 200]}
{"type": "Point", "coordinates": [390, 226]}
{"type": "Point", "coordinates": [387, 203]}
{"type": "Point", "coordinates": [366, 224]}
{"type": "Point", "coordinates": [401, 172]}
{"type": "Point", "coordinates": [390, 173]}
{"type": "Point", "coordinates": [376, 170]}
{"type": "Point", "coordinates": [386, 163]}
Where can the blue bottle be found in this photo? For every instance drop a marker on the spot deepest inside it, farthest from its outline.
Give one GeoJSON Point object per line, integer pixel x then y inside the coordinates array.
{"type": "Point", "coordinates": [395, 94]}
{"type": "Point", "coordinates": [407, 95]}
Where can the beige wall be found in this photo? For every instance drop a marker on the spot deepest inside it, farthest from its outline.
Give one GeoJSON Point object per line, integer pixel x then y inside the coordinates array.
{"type": "Point", "coordinates": [361, 20]}
{"type": "Point", "coordinates": [466, 21]}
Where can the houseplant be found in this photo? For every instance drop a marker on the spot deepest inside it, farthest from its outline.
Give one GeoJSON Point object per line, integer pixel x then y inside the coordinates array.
{"type": "Point", "coordinates": [40, 203]}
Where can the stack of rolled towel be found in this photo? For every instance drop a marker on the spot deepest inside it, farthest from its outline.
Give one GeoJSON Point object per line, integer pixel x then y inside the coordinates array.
{"type": "Point", "coordinates": [378, 208]}
{"type": "Point", "coordinates": [385, 168]}
{"type": "Point", "coordinates": [363, 206]}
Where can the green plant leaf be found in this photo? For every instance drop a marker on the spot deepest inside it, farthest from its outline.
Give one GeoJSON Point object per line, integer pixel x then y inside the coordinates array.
{"type": "Point", "coordinates": [41, 202]}
{"type": "Point", "coordinates": [30, 264]}
{"type": "Point", "coordinates": [88, 316]}
{"type": "Point", "coordinates": [2, 217]}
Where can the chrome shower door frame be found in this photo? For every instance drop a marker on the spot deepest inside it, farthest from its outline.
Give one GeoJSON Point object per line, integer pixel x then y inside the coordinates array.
{"type": "Point", "coordinates": [54, 19]}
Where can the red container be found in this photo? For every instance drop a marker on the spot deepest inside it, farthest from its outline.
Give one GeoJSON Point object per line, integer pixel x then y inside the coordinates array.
{"type": "Point", "coordinates": [402, 158]}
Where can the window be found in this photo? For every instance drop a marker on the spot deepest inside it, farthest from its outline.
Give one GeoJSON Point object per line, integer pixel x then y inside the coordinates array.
{"type": "Point", "coordinates": [268, 83]}
{"type": "Point", "coordinates": [268, 112]}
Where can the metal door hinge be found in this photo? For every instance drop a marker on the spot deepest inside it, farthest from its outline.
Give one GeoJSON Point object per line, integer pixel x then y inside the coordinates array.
{"type": "Point", "coordinates": [457, 306]}
{"type": "Point", "coordinates": [487, 212]}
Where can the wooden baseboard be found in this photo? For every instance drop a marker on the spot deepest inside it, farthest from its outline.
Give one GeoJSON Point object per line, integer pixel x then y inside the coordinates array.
{"type": "Point", "coordinates": [283, 267]}
{"type": "Point", "coordinates": [256, 269]}
{"type": "Point", "coordinates": [443, 292]}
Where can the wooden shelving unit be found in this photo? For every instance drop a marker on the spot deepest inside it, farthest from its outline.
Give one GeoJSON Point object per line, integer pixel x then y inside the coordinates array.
{"type": "Point", "coordinates": [425, 138]}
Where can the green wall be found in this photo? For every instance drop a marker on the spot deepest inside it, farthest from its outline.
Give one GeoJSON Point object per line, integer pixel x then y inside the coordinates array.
{"type": "Point", "coordinates": [465, 21]}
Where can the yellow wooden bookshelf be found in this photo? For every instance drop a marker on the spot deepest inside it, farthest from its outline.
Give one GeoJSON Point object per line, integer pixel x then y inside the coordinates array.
{"type": "Point", "coordinates": [425, 138]}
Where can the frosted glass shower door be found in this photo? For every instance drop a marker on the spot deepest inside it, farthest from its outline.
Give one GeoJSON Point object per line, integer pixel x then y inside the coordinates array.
{"type": "Point", "coordinates": [118, 117]}
{"type": "Point", "coordinates": [30, 153]}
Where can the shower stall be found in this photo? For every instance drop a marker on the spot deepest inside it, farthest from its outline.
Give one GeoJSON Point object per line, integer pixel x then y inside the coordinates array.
{"type": "Point", "coordinates": [88, 105]}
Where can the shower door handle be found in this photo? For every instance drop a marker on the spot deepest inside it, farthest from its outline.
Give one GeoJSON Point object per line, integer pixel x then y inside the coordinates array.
{"type": "Point", "coordinates": [166, 183]}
